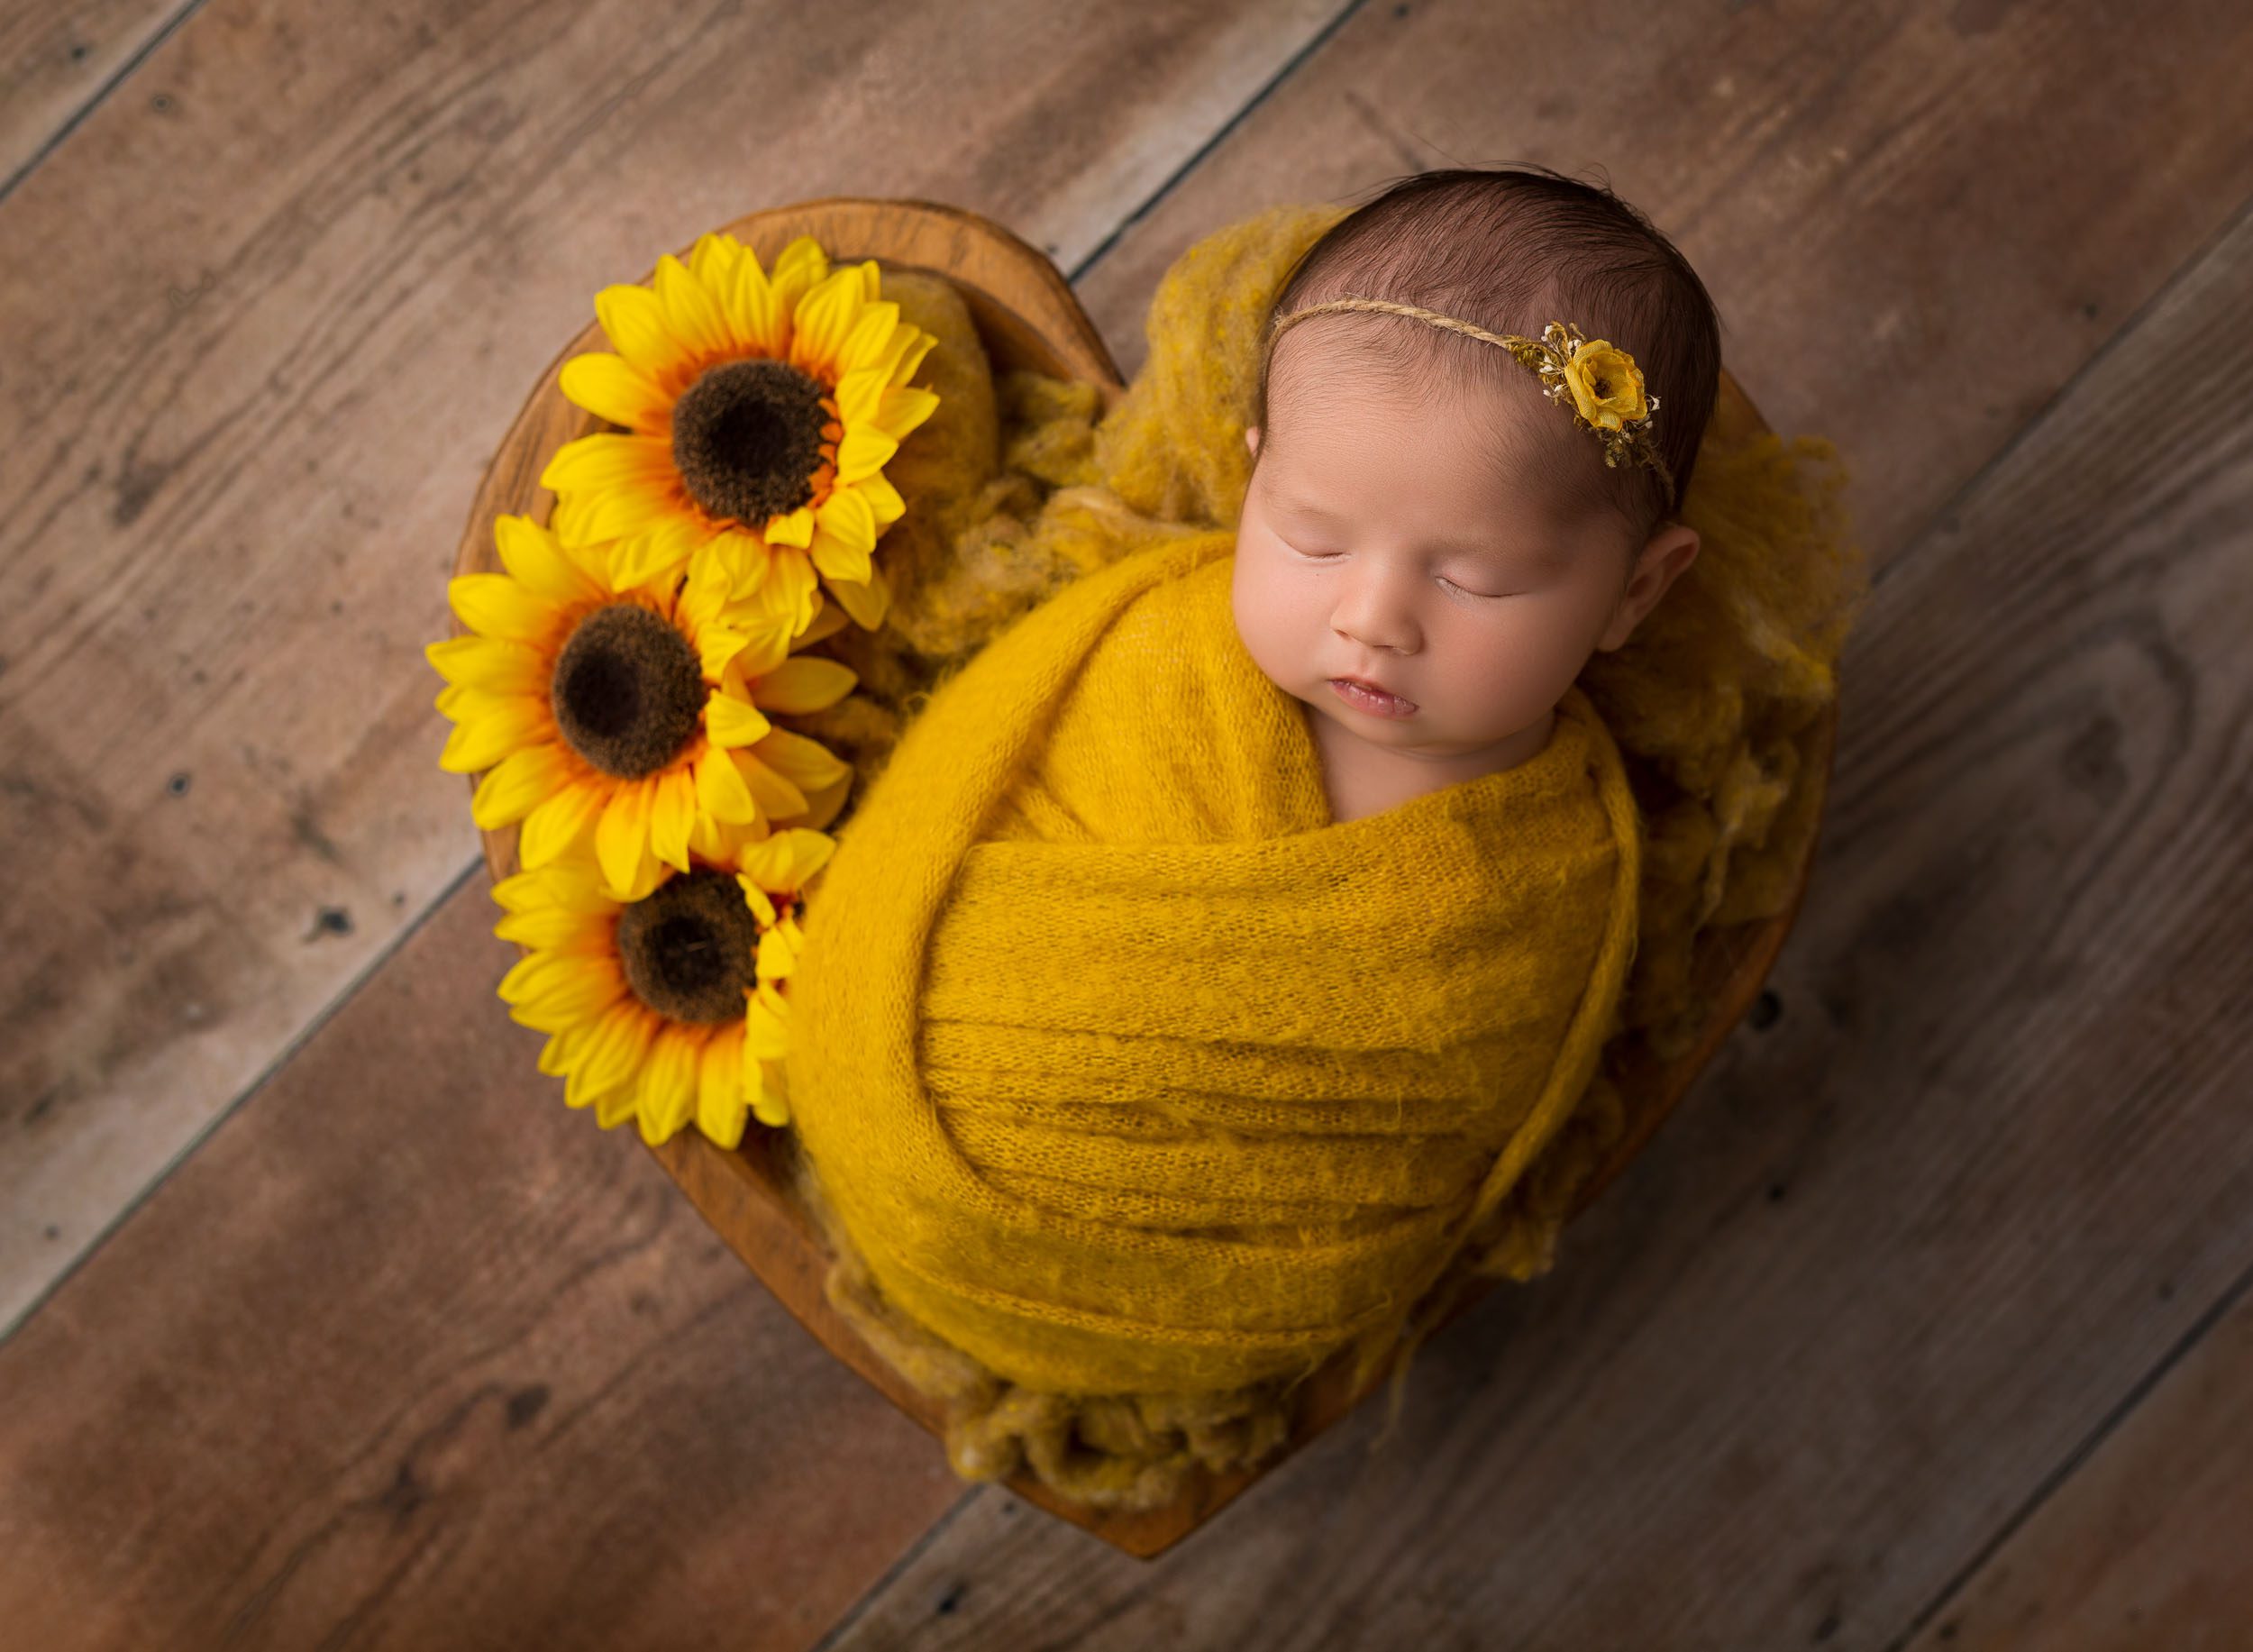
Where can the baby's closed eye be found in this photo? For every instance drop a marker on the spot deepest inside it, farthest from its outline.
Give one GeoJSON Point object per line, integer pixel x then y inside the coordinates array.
{"type": "Point", "coordinates": [1328, 556]}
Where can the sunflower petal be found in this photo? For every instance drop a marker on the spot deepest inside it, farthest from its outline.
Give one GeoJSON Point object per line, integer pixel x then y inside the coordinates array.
{"type": "Point", "coordinates": [804, 683]}
{"type": "Point", "coordinates": [626, 1033]}
{"type": "Point", "coordinates": [771, 1104]}
{"type": "Point", "coordinates": [720, 1108]}
{"type": "Point", "coordinates": [635, 322]}
{"type": "Point", "coordinates": [787, 594]}
{"type": "Point", "coordinates": [570, 1004]}
{"type": "Point", "coordinates": [911, 358]}
{"type": "Point", "coordinates": [761, 903]}
{"type": "Point", "coordinates": [866, 603]}
{"type": "Point", "coordinates": [712, 260]}
{"type": "Point", "coordinates": [572, 986]}
{"type": "Point", "coordinates": [520, 892]}
{"type": "Point", "coordinates": [655, 552]}
{"type": "Point", "coordinates": [860, 396]}
{"type": "Point", "coordinates": [767, 644]}
{"type": "Point", "coordinates": [494, 605]}
{"type": "Point", "coordinates": [824, 318]}
{"type": "Point", "coordinates": [849, 517]}
{"type": "Point", "coordinates": [482, 741]}
{"type": "Point", "coordinates": [729, 721]}
{"type": "Point", "coordinates": [753, 314]}
{"type": "Point", "coordinates": [549, 926]}
{"type": "Point", "coordinates": [612, 387]}
{"type": "Point", "coordinates": [520, 782]}
{"type": "Point", "coordinates": [488, 664]}
{"type": "Point", "coordinates": [884, 501]}
{"type": "Point", "coordinates": [775, 957]}
{"type": "Point", "coordinates": [865, 449]}
{"type": "Point", "coordinates": [690, 314]}
{"type": "Point", "coordinates": [721, 790]}
{"type": "Point", "coordinates": [794, 528]}
{"type": "Point", "coordinates": [607, 460]}
{"type": "Point", "coordinates": [777, 797]}
{"type": "Point", "coordinates": [872, 330]}
{"type": "Point", "coordinates": [538, 562]}
{"type": "Point", "coordinates": [556, 826]}
{"type": "Point", "coordinates": [797, 269]}
{"type": "Point", "coordinates": [765, 1037]}
{"type": "Point", "coordinates": [672, 812]}
{"type": "Point", "coordinates": [789, 859]}
{"type": "Point", "coordinates": [614, 1108]}
{"type": "Point", "coordinates": [622, 839]}
{"type": "Point", "coordinates": [669, 1084]}
{"type": "Point", "coordinates": [804, 763]}
{"type": "Point", "coordinates": [839, 563]}
{"type": "Point", "coordinates": [904, 409]}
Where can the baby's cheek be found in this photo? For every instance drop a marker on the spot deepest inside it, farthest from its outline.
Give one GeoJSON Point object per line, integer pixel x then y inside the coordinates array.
{"type": "Point", "coordinates": [1266, 621]}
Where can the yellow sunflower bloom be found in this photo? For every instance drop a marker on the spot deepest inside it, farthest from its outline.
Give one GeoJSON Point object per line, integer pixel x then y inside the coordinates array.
{"type": "Point", "coordinates": [668, 1008]}
{"type": "Point", "coordinates": [758, 411]}
{"type": "Point", "coordinates": [636, 718]}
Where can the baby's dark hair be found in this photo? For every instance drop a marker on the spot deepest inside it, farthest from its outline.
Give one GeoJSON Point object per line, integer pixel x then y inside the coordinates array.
{"type": "Point", "coordinates": [1512, 249]}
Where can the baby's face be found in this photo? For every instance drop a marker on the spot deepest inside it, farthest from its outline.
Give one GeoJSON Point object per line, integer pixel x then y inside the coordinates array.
{"type": "Point", "coordinates": [1378, 541]}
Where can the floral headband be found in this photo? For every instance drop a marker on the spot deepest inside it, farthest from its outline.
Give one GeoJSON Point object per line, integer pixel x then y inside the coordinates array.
{"type": "Point", "coordinates": [1605, 385]}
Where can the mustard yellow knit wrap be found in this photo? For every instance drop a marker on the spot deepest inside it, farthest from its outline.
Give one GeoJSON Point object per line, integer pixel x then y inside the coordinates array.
{"type": "Point", "coordinates": [1124, 1067]}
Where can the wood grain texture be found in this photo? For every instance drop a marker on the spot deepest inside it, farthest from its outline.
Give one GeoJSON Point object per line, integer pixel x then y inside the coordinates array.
{"type": "Point", "coordinates": [288, 293]}
{"type": "Point", "coordinates": [55, 61]}
{"type": "Point", "coordinates": [1916, 1241]}
{"type": "Point", "coordinates": [409, 1355]}
{"type": "Point", "coordinates": [1028, 319]}
{"type": "Point", "coordinates": [2146, 1545]}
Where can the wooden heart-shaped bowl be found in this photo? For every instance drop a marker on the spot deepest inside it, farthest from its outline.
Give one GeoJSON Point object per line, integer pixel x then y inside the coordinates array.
{"type": "Point", "coordinates": [1026, 315]}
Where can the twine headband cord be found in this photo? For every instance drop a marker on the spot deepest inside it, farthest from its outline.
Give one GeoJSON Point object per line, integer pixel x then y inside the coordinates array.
{"type": "Point", "coordinates": [1584, 376]}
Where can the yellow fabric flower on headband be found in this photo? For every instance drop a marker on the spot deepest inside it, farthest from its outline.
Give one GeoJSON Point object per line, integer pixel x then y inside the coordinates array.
{"type": "Point", "coordinates": [1606, 386]}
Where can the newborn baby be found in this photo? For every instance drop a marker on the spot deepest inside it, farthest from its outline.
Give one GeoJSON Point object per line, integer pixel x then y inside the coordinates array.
{"type": "Point", "coordinates": [1431, 547]}
{"type": "Point", "coordinates": [1169, 1017]}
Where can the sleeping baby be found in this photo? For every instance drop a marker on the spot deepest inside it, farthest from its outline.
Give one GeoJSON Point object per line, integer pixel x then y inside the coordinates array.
{"type": "Point", "coordinates": [1434, 538]}
{"type": "Point", "coordinates": [1220, 944]}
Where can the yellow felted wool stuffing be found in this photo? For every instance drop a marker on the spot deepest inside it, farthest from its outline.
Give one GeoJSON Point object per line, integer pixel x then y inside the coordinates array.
{"type": "Point", "coordinates": [1710, 708]}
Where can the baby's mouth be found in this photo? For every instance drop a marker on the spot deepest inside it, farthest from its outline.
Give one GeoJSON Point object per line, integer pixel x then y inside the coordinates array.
{"type": "Point", "coordinates": [1376, 702]}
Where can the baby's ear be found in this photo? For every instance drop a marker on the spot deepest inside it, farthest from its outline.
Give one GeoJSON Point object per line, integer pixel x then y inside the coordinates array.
{"type": "Point", "coordinates": [1252, 439]}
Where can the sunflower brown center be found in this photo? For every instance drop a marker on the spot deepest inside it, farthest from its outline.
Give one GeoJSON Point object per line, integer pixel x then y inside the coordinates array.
{"type": "Point", "coordinates": [747, 438]}
{"type": "Point", "coordinates": [627, 690]}
{"type": "Point", "coordinates": [691, 946]}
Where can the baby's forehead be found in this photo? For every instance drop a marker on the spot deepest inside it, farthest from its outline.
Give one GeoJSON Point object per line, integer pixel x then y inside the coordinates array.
{"type": "Point", "coordinates": [1504, 445]}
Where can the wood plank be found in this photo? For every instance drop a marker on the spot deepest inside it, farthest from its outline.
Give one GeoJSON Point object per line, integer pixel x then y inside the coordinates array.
{"type": "Point", "coordinates": [276, 327]}
{"type": "Point", "coordinates": [409, 1354]}
{"type": "Point", "coordinates": [56, 61]}
{"type": "Point", "coordinates": [2146, 1545]}
{"type": "Point", "coordinates": [1916, 1238]}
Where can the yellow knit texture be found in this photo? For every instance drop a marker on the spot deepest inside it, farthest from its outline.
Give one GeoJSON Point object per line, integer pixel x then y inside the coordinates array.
{"type": "Point", "coordinates": [1129, 1071]}
{"type": "Point", "coordinates": [1129, 1086]}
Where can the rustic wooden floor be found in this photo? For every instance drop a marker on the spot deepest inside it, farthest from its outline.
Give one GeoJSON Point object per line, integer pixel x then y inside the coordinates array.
{"type": "Point", "coordinates": [1924, 1324]}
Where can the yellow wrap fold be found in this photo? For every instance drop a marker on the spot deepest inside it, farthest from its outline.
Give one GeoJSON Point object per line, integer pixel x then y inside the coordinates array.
{"type": "Point", "coordinates": [1123, 1068]}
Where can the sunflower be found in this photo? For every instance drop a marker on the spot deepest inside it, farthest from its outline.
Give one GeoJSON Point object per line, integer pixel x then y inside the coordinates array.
{"type": "Point", "coordinates": [669, 1008]}
{"type": "Point", "coordinates": [637, 716]}
{"type": "Point", "coordinates": [758, 413]}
